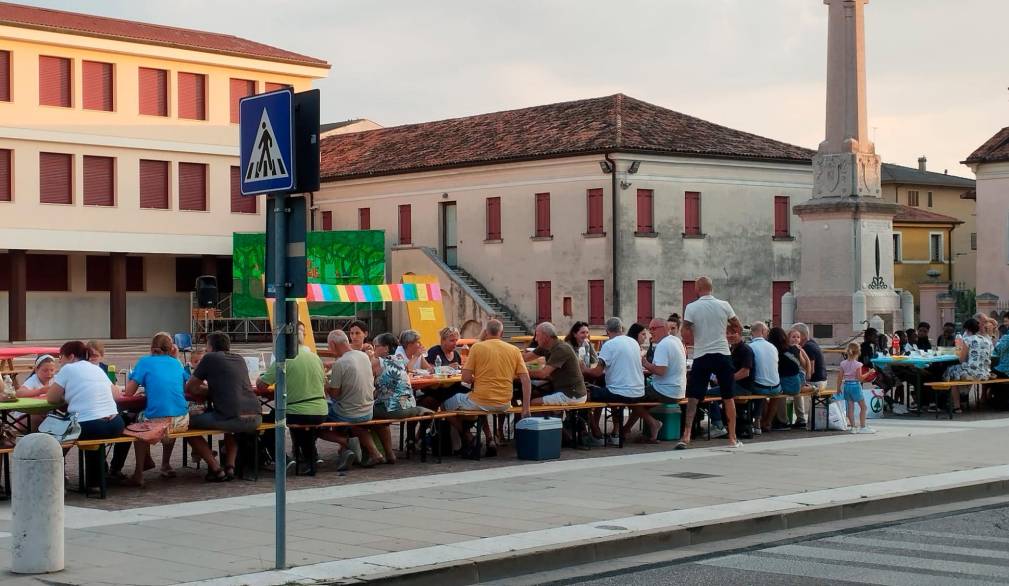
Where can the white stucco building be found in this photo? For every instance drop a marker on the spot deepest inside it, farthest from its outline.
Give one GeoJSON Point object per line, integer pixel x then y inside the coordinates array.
{"type": "Point", "coordinates": [524, 200]}
{"type": "Point", "coordinates": [990, 163]}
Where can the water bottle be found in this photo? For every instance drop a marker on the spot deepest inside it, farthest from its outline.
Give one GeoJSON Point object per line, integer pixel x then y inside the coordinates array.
{"type": "Point", "coordinates": [8, 385]}
{"type": "Point", "coordinates": [437, 364]}
{"type": "Point", "coordinates": [895, 346]}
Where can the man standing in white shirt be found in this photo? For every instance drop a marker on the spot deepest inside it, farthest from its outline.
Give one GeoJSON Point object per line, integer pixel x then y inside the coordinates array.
{"type": "Point", "coordinates": [708, 319]}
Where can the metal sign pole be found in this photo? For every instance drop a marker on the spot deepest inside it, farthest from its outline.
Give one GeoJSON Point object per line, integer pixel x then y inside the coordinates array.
{"type": "Point", "coordinates": [280, 392]}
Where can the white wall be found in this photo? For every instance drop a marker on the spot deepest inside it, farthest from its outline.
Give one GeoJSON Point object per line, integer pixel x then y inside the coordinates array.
{"type": "Point", "coordinates": [993, 229]}
{"type": "Point", "coordinates": [737, 215]}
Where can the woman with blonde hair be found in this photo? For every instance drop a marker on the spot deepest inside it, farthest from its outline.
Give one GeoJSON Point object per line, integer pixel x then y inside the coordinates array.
{"type": "Point", "coordinates": [163, 379]}
{"type": "Point", "coordinates": [447, 348]}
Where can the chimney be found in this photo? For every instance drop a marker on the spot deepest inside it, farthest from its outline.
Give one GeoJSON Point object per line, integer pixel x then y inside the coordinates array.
{"type": "Point", "coordinates": [921, 163]}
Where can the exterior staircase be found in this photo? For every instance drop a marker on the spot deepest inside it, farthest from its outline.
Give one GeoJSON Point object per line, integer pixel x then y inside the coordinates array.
{"type": "Point", "coordinates": [513, 326]}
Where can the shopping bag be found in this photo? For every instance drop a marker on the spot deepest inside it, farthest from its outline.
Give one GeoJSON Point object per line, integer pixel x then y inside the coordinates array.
{"type": "Point", "coordinates": [834, 416]}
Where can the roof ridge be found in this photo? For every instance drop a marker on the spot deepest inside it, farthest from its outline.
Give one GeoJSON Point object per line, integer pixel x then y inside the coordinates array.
{"type": "Point", "coordinates": [19, 15]}
{"type": "Point", "coordinates": [619, 118]}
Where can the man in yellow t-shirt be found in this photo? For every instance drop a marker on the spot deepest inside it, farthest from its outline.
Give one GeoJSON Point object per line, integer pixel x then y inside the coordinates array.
{"type": "Point", "coordinates": [491, 368]}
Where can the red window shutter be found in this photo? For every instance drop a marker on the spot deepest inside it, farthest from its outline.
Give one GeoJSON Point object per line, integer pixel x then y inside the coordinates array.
{"type": "Point", "coordinates": [154, 184]}
{"type": "Point", "coordinates": [493, 218]}
{"type": "Point", "coordinates": [134, 273]}
{"type": "Point", "coordinates": [240, 204]}
{"type": "Point", "coordinates": [594, 202]}
{"type": "Point", "coordinates": [5, 76]}
{"type": "Point", "coordinates": [98, 85]}
{"type": "Point", "coordinates": [240, 88]}
{"type": "Point", "coordinates": [542, 215]}
{"type": "Point", "coordinates": [99, 181]}
{"type": "Point", "coordinates": [778, 288]}
{"type": "Point", "coordinates": [48, 272]}
{"type": "Point", "coordinates": [597, 312]}
{"type": "Point", "coordinates": [98, 273]}
{"type": "Point", "coordinates": [405, 225]}
{"type": "Point", "coordinates": [689, 293]}
{"type": "Point", "coordinates": [645, 212]}
{"type": "Point", "coordinates": [55, 75]}
{"type": "Point", "coordinates": [364, 218]}
{"type": "Point", "coordinates": [193, 187]}
{"type": "Point", "coordinates": [692, 213]}
{"type": "Point", "coordinates": [153, 91]}
{"type": "Point", "coordinates": [327, 220]}
{"type": "Point", "coordinates": [781, 213]}
{"type": "Point", "coordinates": [56, 178]}
{"type": "Point", "coordinates": [543, 310]}
{"type": "Point", "coordinates": [272, 86]}
{"type": "Point", "coordinates": [6, 176]}
{"type": "Point", "coordinates": [646, 302]}
{"type": "Point", "coordinates": [192, 96]}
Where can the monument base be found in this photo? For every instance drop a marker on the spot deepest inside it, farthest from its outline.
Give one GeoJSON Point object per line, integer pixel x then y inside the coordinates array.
{"type": "Point", "coordinates": [846, 273]}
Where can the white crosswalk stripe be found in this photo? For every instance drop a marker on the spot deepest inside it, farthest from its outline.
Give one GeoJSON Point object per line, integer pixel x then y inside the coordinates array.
{"type": "Point", "coordinates": [871, 558]}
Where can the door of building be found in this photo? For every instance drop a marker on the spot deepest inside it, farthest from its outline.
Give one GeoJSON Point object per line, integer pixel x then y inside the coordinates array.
{"type": "Point", "coordinates": [449, 237]}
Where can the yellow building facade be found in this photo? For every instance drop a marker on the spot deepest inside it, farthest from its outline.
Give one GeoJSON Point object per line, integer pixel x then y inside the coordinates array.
{"type": "Point", "coordinates": [118, 168]}
{"type": "Point", "coordinates": [923, 241]}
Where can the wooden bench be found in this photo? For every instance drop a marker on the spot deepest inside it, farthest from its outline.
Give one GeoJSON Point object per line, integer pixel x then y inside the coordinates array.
{"type": "Point", "coordinates": [959, 384]}
{"type": "Point", "coordinates": [100, 445]}
{"type": "Point", "coordinates": [406, 441]}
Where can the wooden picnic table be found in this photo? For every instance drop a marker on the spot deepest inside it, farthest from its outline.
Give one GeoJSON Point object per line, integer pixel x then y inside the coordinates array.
{"type": "Point", "coordinates": [420, 383]}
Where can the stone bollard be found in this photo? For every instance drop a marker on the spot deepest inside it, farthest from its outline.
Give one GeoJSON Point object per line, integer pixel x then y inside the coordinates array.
{"type": "Point", "coordinates": [37, 505]}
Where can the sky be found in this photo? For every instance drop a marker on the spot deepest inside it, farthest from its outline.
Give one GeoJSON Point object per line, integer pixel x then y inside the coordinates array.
{"type": "Point", "coordinates": [937, 69]}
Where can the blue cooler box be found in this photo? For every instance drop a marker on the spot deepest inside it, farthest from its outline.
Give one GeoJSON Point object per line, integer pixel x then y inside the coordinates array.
{"type": "Point", "coordinates": [538, 438]}
{"type": "Point", "coordinates": [669, 416]}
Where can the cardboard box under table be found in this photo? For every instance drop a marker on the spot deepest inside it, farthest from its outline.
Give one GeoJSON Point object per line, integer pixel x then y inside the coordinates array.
{"type": "Point", "coordinates": [538, 438]}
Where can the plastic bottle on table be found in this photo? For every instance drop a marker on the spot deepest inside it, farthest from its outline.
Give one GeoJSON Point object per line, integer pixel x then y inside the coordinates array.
{"type": "Point", "coordinates": [437, 364]}
{"type": "Point", "coordinates": [895, 346]}
{"type": "Point", "coordinates": [8, 385]}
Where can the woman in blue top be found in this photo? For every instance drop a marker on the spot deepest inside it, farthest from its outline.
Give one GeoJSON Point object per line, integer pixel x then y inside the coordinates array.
{"type": "Point", "coordinates": [163, 379]}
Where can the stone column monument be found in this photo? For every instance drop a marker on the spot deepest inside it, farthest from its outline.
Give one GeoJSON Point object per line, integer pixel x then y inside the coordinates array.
{"type": "Point", "coordinates": [846, 275]}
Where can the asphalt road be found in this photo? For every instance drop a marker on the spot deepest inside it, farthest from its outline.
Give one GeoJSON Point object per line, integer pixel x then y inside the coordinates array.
{"type": "Point", "coordinates": [970, 548]}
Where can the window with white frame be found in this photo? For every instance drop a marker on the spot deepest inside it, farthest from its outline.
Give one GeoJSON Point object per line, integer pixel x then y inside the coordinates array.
{"type": "Point", "coordinates": [897, 248]}
{"type": "Point", "coordinates": [935, 247]}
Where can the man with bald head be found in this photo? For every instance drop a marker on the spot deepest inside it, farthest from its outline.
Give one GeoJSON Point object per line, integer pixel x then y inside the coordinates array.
{"type": "Point", "coordinates": [708, 319]}
{"type": "Point", "coordinates": [491, 369]}
{"type": "Point", "coordinates": [668, 382]}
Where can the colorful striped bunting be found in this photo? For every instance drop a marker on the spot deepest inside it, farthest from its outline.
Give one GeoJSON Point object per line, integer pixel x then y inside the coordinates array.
{"type": "Point", "coordinates": [374, 293]}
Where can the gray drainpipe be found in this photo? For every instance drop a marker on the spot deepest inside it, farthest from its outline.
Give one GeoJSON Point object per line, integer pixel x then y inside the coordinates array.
{"type": "Point", "coordinates": [613, 239]}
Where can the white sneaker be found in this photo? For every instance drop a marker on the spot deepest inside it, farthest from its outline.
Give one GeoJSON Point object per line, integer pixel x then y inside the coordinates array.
{"type": "Point", "coordinates": [719, 432]}
{"type": "Point", "coordinates": [852, 429]}
{"type": "Point", "coordinates": [756, 430]}
{"type": "Point", "coordinates": [736, 444]}
{"type": "Point", "coordinates": [867, 430]}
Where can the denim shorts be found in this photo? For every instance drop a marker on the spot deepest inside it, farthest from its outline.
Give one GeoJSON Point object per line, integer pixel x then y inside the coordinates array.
{"type": "Point", "coordinates": [337, 417]}
{"type": "Point", "coordinates": [852, 390]}
{"type": "Point", "coordinates": [791, 385]}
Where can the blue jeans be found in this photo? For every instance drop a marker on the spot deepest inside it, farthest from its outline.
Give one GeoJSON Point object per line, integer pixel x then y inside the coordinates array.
{"type": "Point", "coordinates": [98, 429]}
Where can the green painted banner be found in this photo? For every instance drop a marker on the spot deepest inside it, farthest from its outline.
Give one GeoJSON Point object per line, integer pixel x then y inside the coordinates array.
{"type": "Point", "coordinates": [334, 258]}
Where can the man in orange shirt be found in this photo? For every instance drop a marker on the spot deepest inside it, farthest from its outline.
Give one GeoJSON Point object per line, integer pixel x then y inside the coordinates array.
{"type": "Point", "coordinates": [491, 369]}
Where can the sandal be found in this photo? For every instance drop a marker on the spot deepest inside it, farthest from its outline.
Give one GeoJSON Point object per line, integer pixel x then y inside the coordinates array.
{"type": "Point", "coordinates": [229, 472]}
{"type": "Point", "coordinates": [170, 473]}
{"type": "Point", "coordinates": [219, 476]}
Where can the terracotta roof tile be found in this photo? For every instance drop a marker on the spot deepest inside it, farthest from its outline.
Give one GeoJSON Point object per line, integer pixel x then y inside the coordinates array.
{"type": "Point", "coordinates": [912, 215]}
{"type": "Point", "coordinates": [614, 123]}
{"type": "Point", "coordinates": [127, 30]}
{"type": "Point", "coordinates": [995, 149]}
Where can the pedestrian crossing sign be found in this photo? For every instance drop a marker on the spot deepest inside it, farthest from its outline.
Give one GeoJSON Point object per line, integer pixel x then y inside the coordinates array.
{"type": "Point", "coordinates": [266, 143]}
